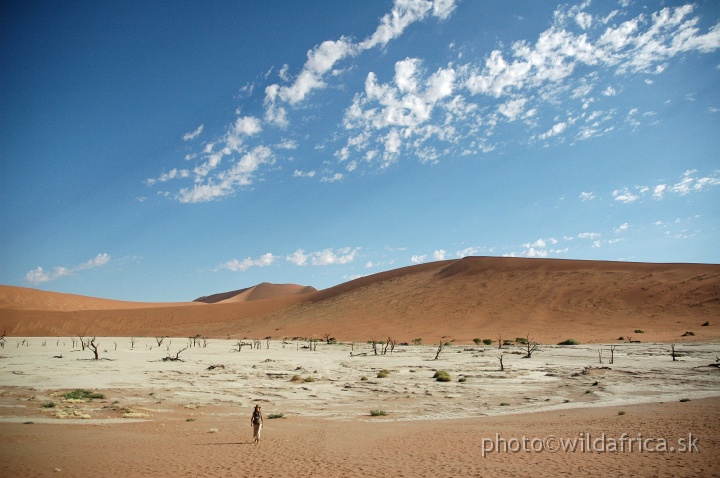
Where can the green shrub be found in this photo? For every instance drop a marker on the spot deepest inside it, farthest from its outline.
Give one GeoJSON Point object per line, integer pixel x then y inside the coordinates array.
{"type": "Point", "coordinates": [621, 338]}
{"type": "Point", "coordinates": [706, 324]}
{"type": "Point", "coordinates": [309, 379]}
{"type": "Point", "coordinates": [48, 405]}
{"type": "Point", "coordinates": [363, 378]}
{"type": "Point", "coordinates": [488, 341]}
{"type": "Point", "coordinates": [684, 399]}
{"type": "Point", "coordinates": [621, 412]}
{"type": "Point", "coordinates": [296, 378]}
{"type": "Point", "coordinates": [378, 413]}
{"type": "Point", "coordinates": [504, 404]}
{"type": "Point", "coordinates": [570, 342]}
{"type": "Point", "coordinates": [442, 376]}
{"type": "Point", "coordinates": [477, 341]}
{"type": "Point", "coordinates": [508, 342]}
{"type": "Point", "coordinates": [639, 331]}
{"type": "Point", "coordinates": [82, 395]}
{"type": "Point", "coordinates": [272, 416]}
{"type": "Point", "coordinates": [383, 373]}
{"type": "Point", "coordinates": [521, 340]}
{"type": "Point", "coordinates": [462, 379]}
{"type": "Point", "coordinates": [417, 341]}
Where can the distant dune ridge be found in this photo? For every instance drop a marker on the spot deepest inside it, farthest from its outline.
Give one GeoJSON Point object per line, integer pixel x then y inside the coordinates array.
{"type": "Point", "coordinates": [264, 290]}
{"type": "Point", "coordinates": [473, 297]}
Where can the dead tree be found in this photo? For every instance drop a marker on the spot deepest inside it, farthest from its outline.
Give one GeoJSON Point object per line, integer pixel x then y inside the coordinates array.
{"type": "Point", "coordinates": [392, 343]}
{"type": "Point", "coordinates": [329, 340]}
{"type": "Point", "coordinates": [440, 348]}
{"type": "Point", "coordinates": [389, 344]}
{"type": "Point", "coordinates": [176, 358]}
{"type": "Point", "coordinates": [2, 340]}
{"type": "Point", "coordinates": [374, 345]}
{"type": "Point", "coordinates": [82, 342]}
{"type": "Point", "coordinates": [531, 346]}
{"type": "Point", "coordinates": [600, 355]}
{"type": "Point", "coordinates": [500, 342]}
{"type": "Point", "coordinates": [672, 349]}
{"type": "Point", "coordinates": [159, 340]}
{"type": "Point", "coordinates": [132, 342]}
{"type": "Point", "coordinates": [93, 347]}
{"type": "Point", "coordinates": [240, 345]}
{"type": "Point", "coordinates": [502, 367]}
{"type": "Point", "coordinates": [204, 340]}
{"type": "Point", "coordinates": [612, 354]}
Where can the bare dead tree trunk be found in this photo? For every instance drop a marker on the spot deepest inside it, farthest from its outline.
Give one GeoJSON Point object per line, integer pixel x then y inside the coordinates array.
{"type": "Point", "coordinates": [502, 367]}
{"type": "Point", "coordinates": [132, 342]}
{"type": "Point", "coordinates": [82, 342]}
{"type": "Point", "coordinates": [93, 347]}
{"type": "Point", "coordinates": [374, 345]}
{"type": "Point", "coordinates": [531, 346]}
{"type": "Point", "coordinates": [672, 348]}
{"type": "Point", "coordinates": [500, 342]}
{"type": "Point", "coordinates": [440, 348]}
{"type": "Point", "coordinates": [612, 354]}
{"type": "Point", "coordinates": [600, 355]}
{"type": "Point", "coordinates": [159, 340]}
{"type": "Point", "coordinates": [176, 358]}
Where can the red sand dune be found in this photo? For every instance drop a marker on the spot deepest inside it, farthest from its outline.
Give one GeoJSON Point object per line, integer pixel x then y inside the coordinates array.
{"type": "Point", "coordinates": [484, 297]}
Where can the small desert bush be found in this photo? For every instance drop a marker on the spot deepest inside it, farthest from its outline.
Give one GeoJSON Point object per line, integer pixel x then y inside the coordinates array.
{"type": "Point", "coordinates": [189, 419]}
{"type": "Point", "coordinates": [706, 324]}
{"type": "Point", "coordinates": [621, 338]}
{"type": "Point", "coordinates": [82, 395]}
{"type": "Point", "coordinates": [684, 399]}
{"type": "Point", "coordinates": [363, 378]}
{"type": "Point", "coordinates": [570, 342]}
{"type": "Point", "coordinates": [309, 379]}
{"type": "Point", "coordinates": [621, 412]}
{"type": "Point", "coordinates": [417, 341]}
{"type": "Point", "coordinates": [488, 341]}
{"type": "Point", "coordinates": [639, 331]}
{"type": "Point", "coordinates": [462, 380]}
{"type": "Point", "coordinates": [521, 340]}
{"type": "Point", "coordinates": [504, 404]}
{"type": "Point", "coordinates": [296, 378]}
{"type": "Point", "coordinates": [383, 373]}
{"type": "Point", "coordinates": [378, 413]}
{"type": "Point", "coordinates": [48, 405]}
{"type": "Point", "coordinates": [442, 376]}
{"type": "Point", "coordinates": [507, 342]}
{"type": "Point", "coordinates": [272, 416]}
{"type": "Point", "coordinates": [477, 341]}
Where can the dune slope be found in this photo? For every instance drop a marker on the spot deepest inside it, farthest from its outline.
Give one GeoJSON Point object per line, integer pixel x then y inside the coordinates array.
{"type": "Point", "coordinates": [473, 297]}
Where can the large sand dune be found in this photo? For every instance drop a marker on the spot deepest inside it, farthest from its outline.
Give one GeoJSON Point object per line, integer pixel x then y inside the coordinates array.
{"type": "Point", "coordinates": [483, 297]}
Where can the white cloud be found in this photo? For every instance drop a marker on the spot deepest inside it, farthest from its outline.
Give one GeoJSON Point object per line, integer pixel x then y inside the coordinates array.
{"type": "Point", "coordinates": [587, 196]}
{"type": "Point", "coordinates": [193, 134]}
{"type": "Point", "coordinates": [625, 196]}
{"type": "Point", "coordinates": [589, 235]}
{"type": "Point", "coordinates": [418, 258]}
{"type": "Point", "coordinates": [40, 275]}
{"type": "Point", "coordinates": [439, 255]}
{"type": "Point", "coordinates": [245, 264]}
{"type": "Point", "coordinates": [325, 257]}
{"type": "Point", "coordinates": [554, 131]}
{"type": "Point", "coordinates": [622, 228]}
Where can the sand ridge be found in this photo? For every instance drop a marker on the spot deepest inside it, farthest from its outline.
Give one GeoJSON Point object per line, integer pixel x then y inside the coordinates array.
{"type": "Point", "coordinates": [474, 297]}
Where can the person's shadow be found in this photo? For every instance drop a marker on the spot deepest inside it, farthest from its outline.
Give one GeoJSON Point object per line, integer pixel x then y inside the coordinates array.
{"type": "Point", "coordinates": [238, 443]}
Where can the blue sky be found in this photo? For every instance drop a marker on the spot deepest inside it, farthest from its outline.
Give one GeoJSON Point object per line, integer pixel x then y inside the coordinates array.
{"type": "Point", "coordinates": [160, 151]}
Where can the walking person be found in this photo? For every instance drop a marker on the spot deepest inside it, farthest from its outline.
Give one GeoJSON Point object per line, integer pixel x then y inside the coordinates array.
{"type": "Point", "coordinates": [256, 422]}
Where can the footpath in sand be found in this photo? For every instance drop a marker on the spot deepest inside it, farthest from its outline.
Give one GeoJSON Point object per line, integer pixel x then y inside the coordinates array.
{"type": "Point", "coordinates": [191, 417]}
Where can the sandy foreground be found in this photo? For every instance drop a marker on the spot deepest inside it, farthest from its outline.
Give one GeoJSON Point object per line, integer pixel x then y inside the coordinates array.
{"type": "Point", "coordinates": [642, 415]}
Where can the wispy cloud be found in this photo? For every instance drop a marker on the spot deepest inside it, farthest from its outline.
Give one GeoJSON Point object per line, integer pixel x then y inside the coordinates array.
{"type": "Point", "coordinates": [245, 264]}
{"type": "Point", "coordinates": [40, 275]}
{"type": "Point", "coordinates": [558, 86]}
{"type": "Point", "coordinates": [193, 134]}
